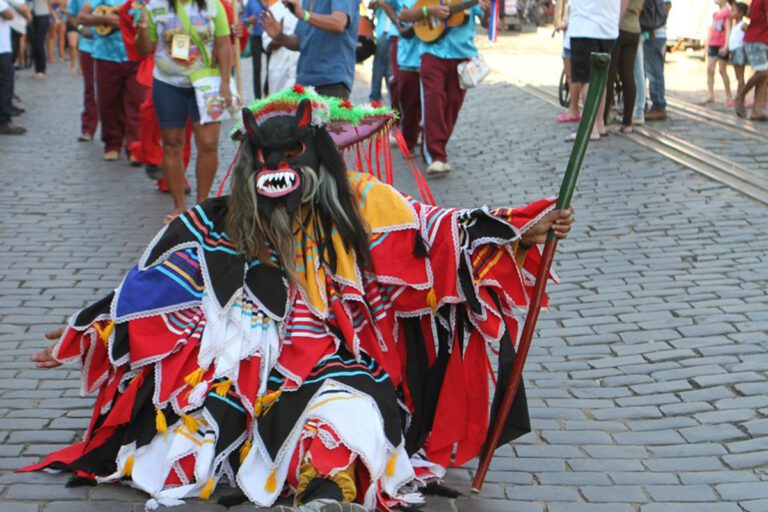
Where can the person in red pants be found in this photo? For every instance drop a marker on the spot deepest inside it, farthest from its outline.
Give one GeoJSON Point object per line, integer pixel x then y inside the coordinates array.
{"type": "Point", "coordinates": [405, 86]}
{"type": "Point", "coordinates": [441, 95]}
{"type": "Point", "coordinates": [147, 149]}
{"type": "Point", "coordinates": [118, 94]}
{"type": "Point", "coordinates": [89, 120]}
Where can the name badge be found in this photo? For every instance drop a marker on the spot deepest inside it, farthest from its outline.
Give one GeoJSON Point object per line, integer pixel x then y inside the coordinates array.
{"type": "Point", "coordinates": [180, 46]}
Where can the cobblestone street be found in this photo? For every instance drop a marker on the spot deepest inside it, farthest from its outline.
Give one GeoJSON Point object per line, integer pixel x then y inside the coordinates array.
{"type": "Point", "coordinates": [647, 381]}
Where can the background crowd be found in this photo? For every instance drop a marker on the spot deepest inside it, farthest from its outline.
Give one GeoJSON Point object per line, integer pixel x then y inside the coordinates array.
{"type": "Point", "coordinates": [634, 32]}
{"type": "Point", "coordinates": [142, 63]}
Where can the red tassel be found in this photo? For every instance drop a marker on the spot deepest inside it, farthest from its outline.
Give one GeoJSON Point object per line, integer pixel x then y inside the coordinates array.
{"type": "Point", "coordinates": [229, 171]}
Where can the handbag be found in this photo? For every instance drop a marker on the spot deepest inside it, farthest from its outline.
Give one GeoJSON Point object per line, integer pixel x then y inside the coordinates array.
{"type": "Point", "coordinates": [472, 72]}
{"type": "Point", "coordinates": [207, 81]}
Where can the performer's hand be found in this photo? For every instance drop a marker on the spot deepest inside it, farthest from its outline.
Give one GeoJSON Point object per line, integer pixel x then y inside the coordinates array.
{"type": "Point", "coordinates": [271, 26]}
{"type": "Point", "coordinates": [441, 12]}
{"type": "Point", "coordinates": [558, 220]}
{"type": "Point", "coordinates": [226, 94]}
{"type": "Point", "coordinates": [44, 358]}
{"type": "Point", "coordinates": [485, 5]}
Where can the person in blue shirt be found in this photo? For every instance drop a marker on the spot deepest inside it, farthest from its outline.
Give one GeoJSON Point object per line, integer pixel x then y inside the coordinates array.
{"type": "Point", "coordinates": [441, 95]}
{"type": "Point", "coordinates": [89, 119]}
{"type": "Point", "coordinates": [384, 31]}
{"type": "Point", "coordinates": [325, 37]}
{"type": "Point", "coordinates": [253, 10]}
{"type": "Point", "coordinates": [118, 94]}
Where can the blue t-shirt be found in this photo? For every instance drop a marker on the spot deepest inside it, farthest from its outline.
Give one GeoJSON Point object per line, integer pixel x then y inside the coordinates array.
{"type": "Point", "coordinates": [109, 47]}
{"type": "Point", "coordinates": [254, 8]}
{"type": "Point", "coordinates": [384, 25]}
{"type": "Point", "coordinates": [326, 58]}
{"type": "Point", "coordinates": [408, 50]}
{"type": "Point", "coordinates": [459, 42]}
{"type": "Point", "coordinates": [84, 44]}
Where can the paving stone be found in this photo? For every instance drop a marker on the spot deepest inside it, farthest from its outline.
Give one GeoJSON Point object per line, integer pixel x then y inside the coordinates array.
{"type": "Point", "coordinates": [711, 433]}
{"type": "Point", "coordinates": [743, 491]}
{"type": "Point", "coordinates": [681, 493]}
{"type": "Point", "coordinates": [747, 460]}
{"type": "Point", "coordinates": [691, 507]}
{"type": "Point", "coordinates": [614, 494]}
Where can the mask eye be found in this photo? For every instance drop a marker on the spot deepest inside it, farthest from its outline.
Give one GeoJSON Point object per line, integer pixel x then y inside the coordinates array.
{"type": "Point", "coordinates": [294, 151]}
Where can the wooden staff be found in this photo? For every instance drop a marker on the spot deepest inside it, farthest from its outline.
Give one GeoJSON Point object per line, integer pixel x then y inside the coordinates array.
{"type": "Point", "coordinates": [238, 74]}
{"type": "Point", "coordinates": [598, 78]}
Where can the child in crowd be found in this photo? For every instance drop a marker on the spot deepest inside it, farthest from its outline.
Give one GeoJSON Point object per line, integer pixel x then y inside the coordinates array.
{"type": "Point", "coordinates": [736, 51]}
{"type": "Point", "coordinates": [717, 52]}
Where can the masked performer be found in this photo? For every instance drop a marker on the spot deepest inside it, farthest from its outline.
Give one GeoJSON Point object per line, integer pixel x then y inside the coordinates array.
{"type": "Point", "coordinates": [316, 332]}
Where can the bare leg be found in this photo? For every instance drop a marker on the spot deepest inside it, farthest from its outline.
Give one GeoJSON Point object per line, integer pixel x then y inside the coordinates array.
{"type": "Point", "coordinates": [760, 96]}
{"type": "Point", "coordinates": [723, 68]}
{"type": "Point", "coordinates": [711, 61]}
{"type": "Point", "coordinates": [49, 44]}
{"type": "Point", "coordinates": [739, 72]}
{"type": "Point", "coordinates": [173, 167]}
{"type": "Point", "coordinates": [575, 93]}
{"type": "Point", "coordinates": [207, 143]}
{"type": "Point", "coordinates": [61, 31]}
{"type": "Point", "coordinates": [74, 64]}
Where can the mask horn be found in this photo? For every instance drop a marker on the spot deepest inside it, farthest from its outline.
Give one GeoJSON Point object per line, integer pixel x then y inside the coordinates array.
{"type": "Point", "coordinates": [304, 114]}
{"type": "Point", "coordinates": [251, 128]}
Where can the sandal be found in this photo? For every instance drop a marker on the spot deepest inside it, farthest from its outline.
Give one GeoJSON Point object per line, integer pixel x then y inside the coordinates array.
{"type": "Point", "coordinates": [572, 137]}
{"type": "Point", "coordinates": [626, 130]}
{"type": "Point", "coordinates": [565, 117]}
{"type": "Point", "coordinates": [740, 109]}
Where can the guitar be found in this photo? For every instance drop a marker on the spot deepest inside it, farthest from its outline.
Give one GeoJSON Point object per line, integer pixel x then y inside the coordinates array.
{"type": "Point", "coordinates": [431, 29]}
{"type": "Point", "coordinates": [105, 10]}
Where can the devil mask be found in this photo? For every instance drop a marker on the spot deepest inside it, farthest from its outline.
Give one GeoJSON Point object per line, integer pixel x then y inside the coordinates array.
{"type": "Point", "coordinates": [283, 146]}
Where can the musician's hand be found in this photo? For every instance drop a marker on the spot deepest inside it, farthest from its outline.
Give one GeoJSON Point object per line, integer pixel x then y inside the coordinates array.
{"type": "Point", "coordinates": [441, 12]}
{"type": "Point", "coordinates": [271, 26]}
{"type": "Point", "coordinates": [226, 94]}
{"type": "Point", "coordinates": [558, 220]}
{"type": "Point", "coordinates": [237, 30]}
{"type": "Point", "coordinates": [86, 32]}
{"type": "Point", "coordinates": [109, 19]}
{"type": "Point", "coordinates": [485, 5]}
{"type": "Point", "coordinates": [295, 7]}
{"type": "Point", "coordinates": [44, 358]}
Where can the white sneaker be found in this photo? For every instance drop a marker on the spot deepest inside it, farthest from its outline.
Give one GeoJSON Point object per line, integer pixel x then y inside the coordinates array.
{"type": "Point", "coordinates": [638, 120]}
{"type": "Point", "coordinates": [437, 167]}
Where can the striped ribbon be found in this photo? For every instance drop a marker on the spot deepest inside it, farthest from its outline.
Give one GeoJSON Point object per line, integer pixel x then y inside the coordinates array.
{"type": "Point", "coordinates": [493, 23]}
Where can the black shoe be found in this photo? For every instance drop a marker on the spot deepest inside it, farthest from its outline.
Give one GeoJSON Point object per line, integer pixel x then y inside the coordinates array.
{"type": "Point", "coordinates": [153, 172]}
{"type": "Point", "coordinates": [12, 129]}
{"type": "Point", "coordinates": [16, 111]}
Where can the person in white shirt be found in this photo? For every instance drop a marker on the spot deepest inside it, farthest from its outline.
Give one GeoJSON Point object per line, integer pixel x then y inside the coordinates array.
{"type": "Point", "coordinates": [282, 61]}
{"type": "Point", "coordinates": [593, 26]}
{"type": "Point", "coordinates": [7, 14]}
{"type": "Point", "coordinates": [736, 52]}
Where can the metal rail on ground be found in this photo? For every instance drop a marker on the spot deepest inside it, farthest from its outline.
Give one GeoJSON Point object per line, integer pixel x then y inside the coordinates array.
{"type": "Point", "coordinates": [725, 120]}
{"type": "Point", "coordinates": [746, 181]}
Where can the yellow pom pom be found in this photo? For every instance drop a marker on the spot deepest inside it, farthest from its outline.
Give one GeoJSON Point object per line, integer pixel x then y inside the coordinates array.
{"type": "Point", "coordinates": [244, 450]}
{"type": "Point", "coordinates": [160, 423]}
{"type": "Point", "coordinates": [271, 485]}
{"type": "Point", "coordinates": [432, 299]}
{"type": "Point", "coordinates": [257, 408]}
{"type": "Point", "coordinates": [107, 332]}
{"type": "Point", "coordinates": [128, 468]}
{"type": "Point", "coordinates": [391, 464]}
{"type": "Point", "coordinates": [194, 378]}
{"type": "Point", "coordinates": [190, 423]}
{"type": "Point", "coordinates": [210, 485]}
{"type": "Point", "coordinates": [222, 388]}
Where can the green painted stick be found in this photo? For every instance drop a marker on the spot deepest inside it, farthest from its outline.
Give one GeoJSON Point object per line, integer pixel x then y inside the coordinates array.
{"type": "Point", "coordinates": [598, 79]}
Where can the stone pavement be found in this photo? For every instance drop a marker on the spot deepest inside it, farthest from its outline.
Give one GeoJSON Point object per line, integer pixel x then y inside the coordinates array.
{"type": "Point", "coordinates": [646, 382]}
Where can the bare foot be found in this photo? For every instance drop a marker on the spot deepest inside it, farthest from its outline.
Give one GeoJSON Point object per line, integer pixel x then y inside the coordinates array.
{"type": "Point", "coordinates": [171, 216]}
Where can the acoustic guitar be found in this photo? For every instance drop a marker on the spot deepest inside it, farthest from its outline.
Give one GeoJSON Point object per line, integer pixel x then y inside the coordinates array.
{"type": "Point", "coordinates": [432, 29]}
{"type": "Point", "coordinates": [105, 10]}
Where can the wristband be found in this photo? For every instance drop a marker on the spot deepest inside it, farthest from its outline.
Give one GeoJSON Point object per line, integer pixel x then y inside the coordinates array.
{"type": "Point", "coordinates": [80, 28]}
{"type": "Point", "coordinates": [424, 12]}
{"type": "Point", "coordinates": [307, 16]}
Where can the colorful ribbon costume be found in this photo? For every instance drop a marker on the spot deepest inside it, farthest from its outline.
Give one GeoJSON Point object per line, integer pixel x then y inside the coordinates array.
{"type": "Point", "coordinates": [211, 367]}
